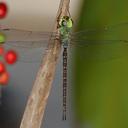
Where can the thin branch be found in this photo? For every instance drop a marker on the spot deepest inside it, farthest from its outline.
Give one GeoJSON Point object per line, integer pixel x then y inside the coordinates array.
{"type": "Point", "coordinates": [34, 111]}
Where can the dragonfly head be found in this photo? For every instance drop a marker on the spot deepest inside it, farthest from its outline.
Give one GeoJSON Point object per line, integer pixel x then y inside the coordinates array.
{"type": "Point", "coordinates": [66, 21]}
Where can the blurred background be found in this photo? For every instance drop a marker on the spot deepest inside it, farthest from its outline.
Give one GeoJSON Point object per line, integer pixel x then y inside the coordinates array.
{"type": "Point", "coordinates": [101, 75]}
{"type": "Point", "coordinates": [35, 15]}
{"type": "Point", "coordinates": [99, 80]}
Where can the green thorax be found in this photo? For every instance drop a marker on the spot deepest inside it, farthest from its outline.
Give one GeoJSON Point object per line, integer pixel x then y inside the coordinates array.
{"type": "Point", "coordinates": [65, 26]}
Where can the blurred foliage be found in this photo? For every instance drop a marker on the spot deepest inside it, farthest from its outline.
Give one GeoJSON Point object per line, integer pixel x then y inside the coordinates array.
{"type": "Point", "coordinates": [101, 72]}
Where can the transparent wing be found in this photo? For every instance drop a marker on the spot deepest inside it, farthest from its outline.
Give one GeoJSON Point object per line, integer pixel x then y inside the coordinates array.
{"type": "Point", "coordinates": [102, 44]}
{"type": "Point", "coordinates": [101, 50]}
{"type": "Point", "coordinates": [29, 45]}
{"type": "Point", "coordinates": [23, 38]}
{"type": "Point", "coordinates": [115, 32]}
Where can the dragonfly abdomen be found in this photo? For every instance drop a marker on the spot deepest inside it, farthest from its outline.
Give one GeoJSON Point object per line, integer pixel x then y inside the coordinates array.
{"type": "Point", "coordinates": [64, 83]}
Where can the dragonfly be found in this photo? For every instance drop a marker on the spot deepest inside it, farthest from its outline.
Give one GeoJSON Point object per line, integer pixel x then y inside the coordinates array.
{"type": "Point", "coordinates": [25, 42]}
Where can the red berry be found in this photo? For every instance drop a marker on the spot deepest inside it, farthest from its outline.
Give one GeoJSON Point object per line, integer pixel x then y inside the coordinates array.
{"type": "Point", "coordinates": [2, 67]}
{"type": "Point", "coordinates": [1, 50]}
{"type": "Point", "coordinates": [3, 10]}
{"type": "Point", "coordinates": [11, 57]}
{"type": "Point", "coordinates": [4, 78]}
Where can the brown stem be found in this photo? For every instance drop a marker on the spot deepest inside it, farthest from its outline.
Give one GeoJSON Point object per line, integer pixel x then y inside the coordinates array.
{"type": "Point", "coordinates": [36, 104]}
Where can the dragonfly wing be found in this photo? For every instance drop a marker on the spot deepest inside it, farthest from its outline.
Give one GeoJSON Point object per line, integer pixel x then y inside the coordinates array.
{"type": "Point", "coordinates": [28, 54]}
{"type": "Point", "coordinates": [101, 49]}
{"type": "Point", "coordinates": [26, 44]}
{"type": "Point", "coordinates": [105, 43]}
{"type": "Point", "coordinates": [29, 45]}
{"type": "Point", "coordinates": [118, 31]}
{"type": "Point", "coordinates": [25, 35]}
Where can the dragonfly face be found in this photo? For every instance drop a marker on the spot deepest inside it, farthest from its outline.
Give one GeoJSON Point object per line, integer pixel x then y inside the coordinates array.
{"type": "Point", "coordinates": [65, 26]}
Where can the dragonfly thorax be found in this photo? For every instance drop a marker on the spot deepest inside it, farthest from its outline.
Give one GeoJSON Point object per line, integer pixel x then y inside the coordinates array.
{"type": "Point", "coordinates": [65, 26]}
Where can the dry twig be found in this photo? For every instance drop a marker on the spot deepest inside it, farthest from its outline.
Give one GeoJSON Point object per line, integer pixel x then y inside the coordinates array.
{"type": "Point", "coordinates": [36, 104]}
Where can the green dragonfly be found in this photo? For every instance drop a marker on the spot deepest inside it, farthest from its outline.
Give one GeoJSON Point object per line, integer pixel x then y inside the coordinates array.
{"type": "Point", "coordinates": [29, 43]}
